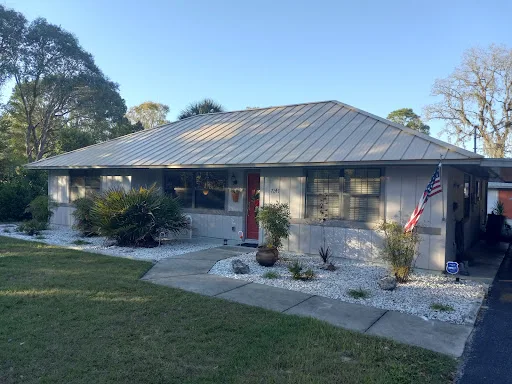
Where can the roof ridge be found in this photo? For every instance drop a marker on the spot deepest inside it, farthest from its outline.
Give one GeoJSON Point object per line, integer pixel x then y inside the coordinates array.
{"type": "Point", "coordinates": [414, 132]}
{"type": "Point", "coordinates": [260, 108]}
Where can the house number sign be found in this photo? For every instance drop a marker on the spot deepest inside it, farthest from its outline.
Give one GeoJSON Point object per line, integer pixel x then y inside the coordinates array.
{"type": "Point", "coordinates": [274, 190]}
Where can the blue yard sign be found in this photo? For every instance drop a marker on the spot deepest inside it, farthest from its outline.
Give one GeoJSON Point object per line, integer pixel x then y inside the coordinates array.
{"type": "Point", "coordinates": [452, 267]}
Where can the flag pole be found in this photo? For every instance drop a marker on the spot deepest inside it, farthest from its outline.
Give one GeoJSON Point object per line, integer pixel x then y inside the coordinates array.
{"type": "Point", "coordinates": [442, 187]}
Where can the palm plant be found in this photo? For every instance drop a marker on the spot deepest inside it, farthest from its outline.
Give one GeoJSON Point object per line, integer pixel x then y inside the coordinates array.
{"type": "Point", "coordinates": [200, 108]}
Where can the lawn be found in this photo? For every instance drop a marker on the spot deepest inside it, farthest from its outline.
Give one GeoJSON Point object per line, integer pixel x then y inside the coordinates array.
{"type": "Point", "coordinates": [75, 317]}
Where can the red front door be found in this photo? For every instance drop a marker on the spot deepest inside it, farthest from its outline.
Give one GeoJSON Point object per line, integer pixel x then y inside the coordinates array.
{"type": "Point", "coordinates": [253, 199]}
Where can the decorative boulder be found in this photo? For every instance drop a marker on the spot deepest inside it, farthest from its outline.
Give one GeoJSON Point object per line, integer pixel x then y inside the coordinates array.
{"type": "Point", "coordinates": [239, 267]}
{"type": "Point", "coordinates": [387, 283]}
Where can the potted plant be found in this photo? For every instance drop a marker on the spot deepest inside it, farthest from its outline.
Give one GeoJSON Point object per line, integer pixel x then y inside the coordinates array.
{"type": "Point", "coordinates": [235, 194]}
{"type": "Point", "coordinates": [495, 223]}
{"type": "Point", "coordinates": [275, 221]}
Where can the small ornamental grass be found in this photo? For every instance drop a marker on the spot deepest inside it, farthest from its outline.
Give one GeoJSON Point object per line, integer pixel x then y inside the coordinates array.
{"type": "Point", "coordinates": [298, 273]}
{"type": "Point", "coordinates": [359, 293]}
{"type": "Point", "coordinates": [80, 242]}
{"type": "Point", "coordinates": [399, 249]}
{"type": "Point", "coordinates": [441, 307]}
{"type": "Point", "coordinates": [271, 275]}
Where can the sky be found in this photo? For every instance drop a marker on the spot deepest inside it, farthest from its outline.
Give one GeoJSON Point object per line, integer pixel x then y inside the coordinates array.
{"type": "Point", "coordinates": [374, 55]}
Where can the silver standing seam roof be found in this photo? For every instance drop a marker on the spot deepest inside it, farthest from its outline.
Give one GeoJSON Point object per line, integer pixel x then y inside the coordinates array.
{"type": "Point", "coordinates": [327, 132]}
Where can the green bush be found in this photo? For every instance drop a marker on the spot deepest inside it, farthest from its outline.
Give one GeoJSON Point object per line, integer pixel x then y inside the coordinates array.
{"type": "Point", "coordinates": [399, 249]}
{"type": "Point", "coordinates": [275, 220]}
{"type": "Point", "coordinates": [40, 209]}
{"type": "Point", "coordinates": [271, 275]}
{"type": "Point", "coordinates": [32, 227]}
{"type": "Point", "coordinates": [83, 218]}
{"type": "Point", "coordinates": [17, 190]}
{"type": "Point", "coordinates": [358, 293]}
{"type": "Point", "coordinates": [136, 217]}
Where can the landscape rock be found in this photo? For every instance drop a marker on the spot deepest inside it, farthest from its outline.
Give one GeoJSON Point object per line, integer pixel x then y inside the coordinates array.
{"type": "Point", "coordinates": [239, 267]}
{"type": "Point", "coordinates": [387, 283]}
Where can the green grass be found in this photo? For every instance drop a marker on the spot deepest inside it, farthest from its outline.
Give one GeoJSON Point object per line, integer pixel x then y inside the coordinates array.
{"type": "Point", "coordinates": [441, 307]}
{"type": "Point", "coordinates": [271, 275]}
{"type": "Point", "coordinates": [75, 317]}
{"type": "Point", "coordinates": [358, 293]}
{"type": "Point", "coordinates": [80, 242]}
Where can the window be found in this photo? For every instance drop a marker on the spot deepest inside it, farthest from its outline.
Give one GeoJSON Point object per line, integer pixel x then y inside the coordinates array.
{"type": "Point", "coordinates": [197, 189]}
{"type": "Point", "coordinates": [84, 184]}
{"type": "Point", "coordinates": [467, 194]}
{"type": "Point", "coordinates": [350, 194]}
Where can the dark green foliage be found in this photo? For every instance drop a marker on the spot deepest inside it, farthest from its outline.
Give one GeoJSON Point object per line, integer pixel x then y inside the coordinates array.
{"type": "Point", "coordinates": [275, 220]}
{"type": "Point", "coordinates": [32, 227]}
{"type": "Point", "coordinates": [83, 218]}
{"type": "Point", "coordinates": [17, 189]}
{"type": "Point", "coordinates": [136, 217]}
{"type": "Point", "coordinates": [201, 107]}
{"type": "Point", "coordinates": [80, 242]}
{"type": "Point", "coordinates": [297, 272]}
{"type": "Point", "coordinates": [40, 209]}
{"type": "Point", "coordinates": [407, 118]}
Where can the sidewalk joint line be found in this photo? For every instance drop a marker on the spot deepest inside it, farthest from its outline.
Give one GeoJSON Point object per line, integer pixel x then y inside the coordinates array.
{"type": "Point", "coordinates": [232, 289]}
{"type": "Point", "coordinates": [310, 297]}
{"type": "Point", "coordinates": [372, 324]}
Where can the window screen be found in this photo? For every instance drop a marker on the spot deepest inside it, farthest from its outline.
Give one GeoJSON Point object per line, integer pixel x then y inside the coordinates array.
{"type": "Point", "coordinates": [350, 194]}
{"type": "Point", "coordinates": [84, 184]}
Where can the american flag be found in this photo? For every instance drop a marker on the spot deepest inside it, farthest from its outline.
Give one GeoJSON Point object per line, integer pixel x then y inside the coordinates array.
{"type": "Point", "coordinates": [433, 188]}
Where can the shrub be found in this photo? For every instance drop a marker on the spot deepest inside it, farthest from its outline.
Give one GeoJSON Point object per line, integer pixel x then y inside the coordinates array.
{"type": "Point", "coordinates": [296, 270]}
{"type": "Point", "coordinates": [275, 220]}
{"type": "Point", "coordinates": [271, 275]}
{"type": "Point", "coordinates": [358, 293]}
{"type": "Point", "coordinates": [40, 209]}
{"type": "Point", "coordinates": [136, 217]}
{"type": "Point", "coordinates": [80, 242]}
{"type": "Point", "coordinates": [83, 218]}
{"type": "Point", "coordinates": [32, 227]}
{"type": "Point", "coordinates": [17, 190]}
{"type": "Point", "coordinates": [399, 249]}
{"type": "Point", "coordinates": [441, 307]}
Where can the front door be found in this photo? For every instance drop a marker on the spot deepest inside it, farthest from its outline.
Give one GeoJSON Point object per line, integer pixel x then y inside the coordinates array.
{"type": "Point", "coordinates": [253, 199]}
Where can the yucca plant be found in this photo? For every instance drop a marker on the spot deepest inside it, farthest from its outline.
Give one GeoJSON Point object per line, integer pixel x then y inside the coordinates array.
{"type": "Point", "coordinates": [137, 216]}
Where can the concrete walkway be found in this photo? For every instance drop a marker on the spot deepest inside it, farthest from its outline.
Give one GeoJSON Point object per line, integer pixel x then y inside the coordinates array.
{"type": "Point", "coordinates": [190, 272]}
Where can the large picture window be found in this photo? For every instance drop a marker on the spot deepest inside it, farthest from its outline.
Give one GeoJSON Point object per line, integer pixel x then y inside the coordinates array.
{"type": "Point", "coordinates": [349, 194]}
{"type": "Point", "coordinates": [197, 189]}
{"type": "Point", "coordinates": [84, 184]}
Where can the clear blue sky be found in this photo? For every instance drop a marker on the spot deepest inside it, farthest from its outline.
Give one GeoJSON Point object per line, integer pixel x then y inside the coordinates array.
{"type": "Point", "coordinates": [375, 55]}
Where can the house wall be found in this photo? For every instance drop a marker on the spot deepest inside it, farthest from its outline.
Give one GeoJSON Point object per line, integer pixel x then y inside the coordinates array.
{"type": "Point", "coordinates": [402, 188]}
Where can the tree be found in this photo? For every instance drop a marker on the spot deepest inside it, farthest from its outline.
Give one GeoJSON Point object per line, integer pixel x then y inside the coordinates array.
{"type": "Point", "coordinates": [201, 107]}
{"type": "Point", "coordinates": [12, 25]}
{"type": "Point", "coordinates": [149, 113]}
{"type": "Point", "coordinates": [477, 100]}
{"type": "Point", "coordinates": [56, 84]}
{"type": "Point", "coordinates": [407, 118]}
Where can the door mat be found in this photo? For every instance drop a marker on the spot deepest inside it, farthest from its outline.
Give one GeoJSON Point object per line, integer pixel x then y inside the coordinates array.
{"type": "Point", "coordinates": [250, 245]}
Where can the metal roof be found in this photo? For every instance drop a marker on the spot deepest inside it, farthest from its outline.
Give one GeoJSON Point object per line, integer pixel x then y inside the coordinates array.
{"type": "Point", "coordinates": [311, 133]}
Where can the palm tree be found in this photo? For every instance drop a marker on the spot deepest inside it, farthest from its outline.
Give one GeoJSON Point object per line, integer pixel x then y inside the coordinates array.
{"type": "Point", "coordinates": [201, 107]}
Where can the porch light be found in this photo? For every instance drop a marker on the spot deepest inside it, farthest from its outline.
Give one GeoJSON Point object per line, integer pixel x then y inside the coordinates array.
{"type": "Point", "coordinates": [205, 191]}
{"type": "Point", "coordinates": [234, 181]}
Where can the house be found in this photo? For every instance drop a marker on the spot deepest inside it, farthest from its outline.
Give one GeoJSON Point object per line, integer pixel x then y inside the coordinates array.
{"type": "Point", "coordinates": [327, 160]}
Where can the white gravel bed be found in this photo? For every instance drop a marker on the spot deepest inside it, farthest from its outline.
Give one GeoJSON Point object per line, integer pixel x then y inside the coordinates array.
{"type": "Point", "coordinates": [414, 297]}
{"type": "Point", "coordinates": [66, 237]}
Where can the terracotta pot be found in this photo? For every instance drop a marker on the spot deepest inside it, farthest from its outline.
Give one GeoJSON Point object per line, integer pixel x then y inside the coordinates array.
{"type": "Point", "coordinates": [235, 196]}
{"type": "Point", "coordinates": [267, 256]}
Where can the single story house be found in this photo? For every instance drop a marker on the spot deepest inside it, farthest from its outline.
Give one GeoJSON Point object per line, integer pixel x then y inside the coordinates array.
{"type": "Point", "coordinates": [342, 171]}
